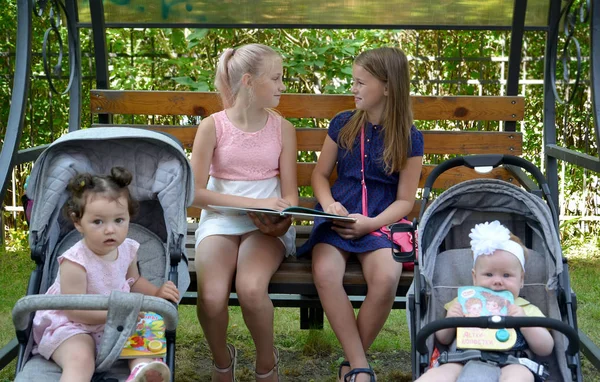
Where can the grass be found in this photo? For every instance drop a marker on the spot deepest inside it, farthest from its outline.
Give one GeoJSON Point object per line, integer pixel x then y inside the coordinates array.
{"type": "Point", "coordinates": [304, 350]}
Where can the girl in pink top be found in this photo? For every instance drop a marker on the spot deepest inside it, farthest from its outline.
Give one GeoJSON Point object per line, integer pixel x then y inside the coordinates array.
{"type": "Point", "coordinates": [103, 261]}
{"type": "Point", "coordinates": [243, 156]}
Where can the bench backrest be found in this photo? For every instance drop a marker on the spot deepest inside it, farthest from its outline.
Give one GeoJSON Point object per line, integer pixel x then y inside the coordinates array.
{"type": "Point", "coordinates": [458, 108]}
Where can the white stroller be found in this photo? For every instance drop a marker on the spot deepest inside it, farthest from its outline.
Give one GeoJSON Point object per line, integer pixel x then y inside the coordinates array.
{"type": "Point", "coordinates": [163, 185]}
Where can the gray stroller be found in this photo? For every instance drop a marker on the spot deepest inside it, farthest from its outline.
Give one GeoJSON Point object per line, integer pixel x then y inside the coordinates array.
{"type": "Point", "coordinates": [162, 183]}
{"type": "Point", "coordinates": [445, 261]}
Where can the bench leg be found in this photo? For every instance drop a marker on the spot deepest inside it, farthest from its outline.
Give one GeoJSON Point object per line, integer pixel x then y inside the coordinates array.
{"type": "Point", "coordinates": [311, 318]}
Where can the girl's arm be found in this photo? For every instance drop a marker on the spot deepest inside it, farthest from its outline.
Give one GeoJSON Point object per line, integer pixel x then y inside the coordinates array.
{"type": "Point", "coordinates": [446, 336]}
{"type": "Point", "coordinates": [320, 178]}
{"type": "Point", "coordinates": [287, 163]}
{"type": "Point", "coordinates": [273, 225]}
{"type": "Point", "coordinates": [73, 280]}
{"type": "Point", "coordinates": [168, 290]}
{"type": "Point", "coordinates": [538, 339]}
{"type": "Point", "coordinates": [202, 153]}
{"type": "Point", "coordinates": [405, 197]}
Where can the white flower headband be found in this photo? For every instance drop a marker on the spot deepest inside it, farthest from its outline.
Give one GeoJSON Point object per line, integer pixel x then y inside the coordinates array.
{"type": "Point", "coordinates": [488, 237]}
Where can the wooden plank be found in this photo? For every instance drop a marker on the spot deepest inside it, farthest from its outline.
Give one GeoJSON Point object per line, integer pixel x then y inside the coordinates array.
{"type": "Point", "coordinates": [152, 102]}
{"type": "Point", "coordinates": [436, 141]}
{"type": "Point", "coordinates": [445, 180]}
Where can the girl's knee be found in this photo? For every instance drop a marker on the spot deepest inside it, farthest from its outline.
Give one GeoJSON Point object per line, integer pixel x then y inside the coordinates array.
{"type": "Point", "coordinates": [445, 373]}
{"type": "Point", "coordinates": [516, 373]}
{"type": "Point", "coordinates": [212, 301]}
{"type": "Point", "coordinates": [384, 285]}
{"type": "Point", "coordinates": [251, 291]}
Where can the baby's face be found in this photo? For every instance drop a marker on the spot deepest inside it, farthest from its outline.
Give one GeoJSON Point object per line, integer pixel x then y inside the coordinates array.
{"type": "Point", "coordinates": [499, 271]}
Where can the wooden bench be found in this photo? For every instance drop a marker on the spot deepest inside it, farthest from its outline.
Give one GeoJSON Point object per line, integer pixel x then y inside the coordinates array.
{"type": "Point", "coordinates": [292, 284]}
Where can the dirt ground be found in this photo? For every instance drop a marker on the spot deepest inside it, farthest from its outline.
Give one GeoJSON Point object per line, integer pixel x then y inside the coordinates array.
{"type": "Point", "coordinates": [294, 366]}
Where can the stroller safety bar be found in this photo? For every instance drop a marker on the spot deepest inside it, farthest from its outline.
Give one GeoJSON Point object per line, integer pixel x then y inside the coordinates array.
{"type": "Point", "coordinates": [30, 304]}
{"type": "Point", "coordinates": [498, 322]}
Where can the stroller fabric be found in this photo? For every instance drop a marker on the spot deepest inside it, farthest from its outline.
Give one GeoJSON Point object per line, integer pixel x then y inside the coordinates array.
{"type": "Point", "coordinates": [162, 184]}
{"type": "Point", "coordinates": [446, 259]}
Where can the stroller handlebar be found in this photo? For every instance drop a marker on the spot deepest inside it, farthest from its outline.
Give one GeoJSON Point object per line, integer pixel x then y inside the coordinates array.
{"type": "Point", "coordinates": [29, 304]}
{"type": "Point", "coordinates": [488, 160]}
{"type": "Point", "coordinates": [498, 322]}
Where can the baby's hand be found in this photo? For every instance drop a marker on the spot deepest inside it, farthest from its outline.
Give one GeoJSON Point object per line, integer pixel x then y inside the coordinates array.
{"type": "Point", "coordinates": [455, 310]}
{"type": "Point", "coordinates": [336, 208]}
{"type": "Point", "coordinates": [168, 291]}
{"type": "Point", "coordinates": [515, 310]}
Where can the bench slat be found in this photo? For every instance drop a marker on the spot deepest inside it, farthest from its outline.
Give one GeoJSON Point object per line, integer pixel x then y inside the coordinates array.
{"type": "Point", "coordinates": [152, 102]}
{"type": "Point", "coordinates": [436, 141]}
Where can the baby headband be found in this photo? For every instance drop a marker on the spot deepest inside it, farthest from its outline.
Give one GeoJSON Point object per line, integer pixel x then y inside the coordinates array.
{"type": "Point", "coordinates": [488, 237]}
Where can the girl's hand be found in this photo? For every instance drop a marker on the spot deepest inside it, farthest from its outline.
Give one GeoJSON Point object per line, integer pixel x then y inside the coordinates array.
{"type": "Point", "coordinates": [271, 225]}
{"type": "Point", "coordinates": [336, 208]}
{"type": "Point", "coordinates": [455, 310]}
{"type": "Point", "coordinates": [353, 230]}
{"type": "Point", "coordinates": [515, 310]}
{"type": "Point", "coordinates": [168, 291]}
{"type": "Point", "coordinates": [273, 203]}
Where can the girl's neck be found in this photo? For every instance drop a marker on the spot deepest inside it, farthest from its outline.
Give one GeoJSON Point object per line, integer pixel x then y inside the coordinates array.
{"type": "Point", "coordinates": [247, 118]}
{"type": "Point", "coordinates": [375, 117]}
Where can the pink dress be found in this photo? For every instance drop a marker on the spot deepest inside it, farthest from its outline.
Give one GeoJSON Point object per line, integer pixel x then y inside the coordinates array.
{"type": "Point", "coordinates": [52, 327]}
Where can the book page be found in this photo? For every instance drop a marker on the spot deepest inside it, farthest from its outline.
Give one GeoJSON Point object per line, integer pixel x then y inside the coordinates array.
{"type": "Point", "coordinates": [148, 339]}
{"type": "Point", "coordinates": [477, 302]}
{"type": "Point", "coordinates": [238, 211]}
{"type": "Point", "coordinates": [303, 212]}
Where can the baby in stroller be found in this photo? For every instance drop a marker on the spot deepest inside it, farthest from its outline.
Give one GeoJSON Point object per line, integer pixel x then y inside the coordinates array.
{"type": "Point", "coordinates": [104, 260]}
{"type": "Point", "coordinates": [498, 264]}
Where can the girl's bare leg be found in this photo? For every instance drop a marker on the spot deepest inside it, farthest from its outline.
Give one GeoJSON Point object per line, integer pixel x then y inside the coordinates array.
{"type": "Point", "coordinates": [445, 373]}
{"type": "Point", "coordinates": [216, 258]}
{"type": "Point", "coordinates": [382, 274]}
{"type": "Point", "coordinates": [76, 356]}
{"type": "Point", "coordinates": [515, 373]}
{"type": "Point", "coordinates": [328, 267]}
{"type": "Point", "coordinates": [259, 258]}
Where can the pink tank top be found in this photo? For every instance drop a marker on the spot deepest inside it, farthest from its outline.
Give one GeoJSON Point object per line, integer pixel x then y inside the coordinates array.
{"type": "Point", "coordinates": [240, 155]}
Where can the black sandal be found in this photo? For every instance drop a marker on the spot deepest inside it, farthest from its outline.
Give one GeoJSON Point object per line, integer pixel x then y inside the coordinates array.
{"type": "Point", "coordinates": [352, 374]}
{"type": "Point", "coordinates": [343, 364]}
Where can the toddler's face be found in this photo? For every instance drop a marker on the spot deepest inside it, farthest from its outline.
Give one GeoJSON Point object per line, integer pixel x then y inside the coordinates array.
{"type": "Point", "coordinates": [499, 271]}
{"type": "Point", "coordinates": [104, 224]}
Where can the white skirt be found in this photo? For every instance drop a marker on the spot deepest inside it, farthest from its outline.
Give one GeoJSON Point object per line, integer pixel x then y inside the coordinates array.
{"type": "Point", "coordinates": [212, 223]}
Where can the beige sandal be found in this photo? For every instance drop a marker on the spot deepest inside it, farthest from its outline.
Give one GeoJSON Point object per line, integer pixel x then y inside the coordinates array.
{"type": "Point", "coordinates": [231, 367]}
{"type": "Point", "coordinates": [274, 370]}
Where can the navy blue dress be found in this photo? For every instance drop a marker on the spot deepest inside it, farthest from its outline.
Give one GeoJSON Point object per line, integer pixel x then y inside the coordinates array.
{"type": "Point", "coordinates": [381, 187]}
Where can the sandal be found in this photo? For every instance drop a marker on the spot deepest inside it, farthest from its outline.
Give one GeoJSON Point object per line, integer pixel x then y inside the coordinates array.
{"type": "Point", "coordinates": [231, 367]}
{"type": "Point", "coordinates": [352, 374]}
{"type": "Point", "coordinates": [344, 363]}
{"type": "Point", "coordinates": [274, 370]}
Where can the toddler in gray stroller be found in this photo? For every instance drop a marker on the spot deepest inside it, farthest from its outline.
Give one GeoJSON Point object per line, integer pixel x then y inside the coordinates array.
{"type": "Point", "coordinates": [465, 239]}
{"type": "Point", "coordinates": [91, 259]}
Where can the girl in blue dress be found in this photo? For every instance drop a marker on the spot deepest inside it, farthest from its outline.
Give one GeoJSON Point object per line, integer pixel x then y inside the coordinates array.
{"type": "Point", "coordinates": [392, 153]}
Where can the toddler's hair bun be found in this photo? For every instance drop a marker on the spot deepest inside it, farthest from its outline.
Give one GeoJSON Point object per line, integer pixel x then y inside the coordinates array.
{"type": "Point", "coordinates": [121, 176]}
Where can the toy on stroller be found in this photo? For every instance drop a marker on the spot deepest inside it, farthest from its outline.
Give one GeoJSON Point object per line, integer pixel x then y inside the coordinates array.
{"type": "Point", "coordinates": [162, 184]}
{"type": "Point", "coordinates": [445, 261]}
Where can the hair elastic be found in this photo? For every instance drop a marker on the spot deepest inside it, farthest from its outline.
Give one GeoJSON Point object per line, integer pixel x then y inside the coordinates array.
{"type": "Point", "coordinates": [488, 237]}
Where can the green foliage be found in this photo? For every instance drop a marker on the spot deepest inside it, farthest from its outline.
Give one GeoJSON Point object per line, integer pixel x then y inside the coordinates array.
{"type": "Point", "coordinates": [315, 61]}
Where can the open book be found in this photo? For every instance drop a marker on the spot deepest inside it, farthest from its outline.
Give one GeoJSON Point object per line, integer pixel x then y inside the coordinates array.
{"type": "Point", "coordinates": [294, 211]}
{"type": "Point", "coordinates": [479, 301]}
{"type": "Point", "coordinates": [148, 339]}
